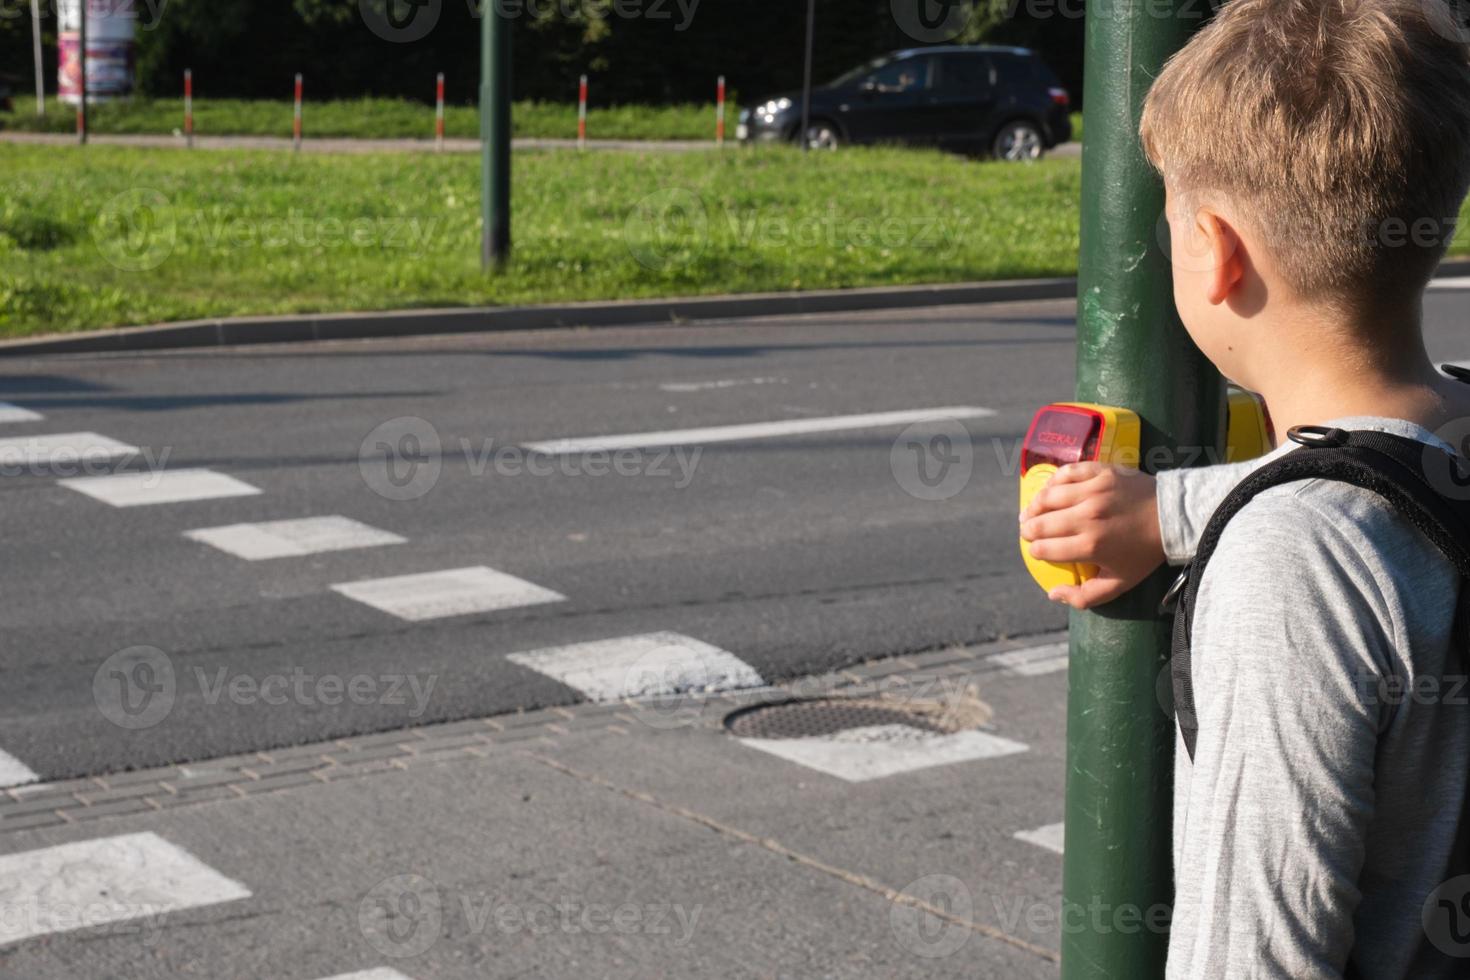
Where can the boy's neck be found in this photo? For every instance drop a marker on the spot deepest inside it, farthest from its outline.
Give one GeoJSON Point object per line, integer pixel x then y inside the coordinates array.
{"type": "Point", "coordinates": [1323, 365]}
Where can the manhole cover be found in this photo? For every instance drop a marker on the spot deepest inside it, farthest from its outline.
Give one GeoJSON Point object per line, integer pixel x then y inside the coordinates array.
{"type": "Point", "coordinates": [809, 719]}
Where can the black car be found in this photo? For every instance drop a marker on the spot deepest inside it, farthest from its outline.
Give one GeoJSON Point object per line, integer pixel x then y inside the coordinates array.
{"type": "Point", "coordinates": [999, 101]}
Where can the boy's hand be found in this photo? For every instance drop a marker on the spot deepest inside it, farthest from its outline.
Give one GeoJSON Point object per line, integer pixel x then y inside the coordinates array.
{"type": "Point", "coordinates": [1102, 515]}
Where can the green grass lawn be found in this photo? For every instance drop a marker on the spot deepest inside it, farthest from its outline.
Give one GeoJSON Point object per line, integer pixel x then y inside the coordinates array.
{"type": "Point", "coordinates": [104, 236]}
{"type": "Point", "coordinates": [381, 118]}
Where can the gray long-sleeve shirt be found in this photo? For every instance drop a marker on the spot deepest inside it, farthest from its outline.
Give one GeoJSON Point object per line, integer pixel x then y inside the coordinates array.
{"type": "Point", "coordinates": [1321, 811]}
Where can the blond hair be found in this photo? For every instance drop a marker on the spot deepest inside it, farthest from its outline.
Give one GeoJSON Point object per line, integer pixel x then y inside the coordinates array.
{"type": "Point", "coordinates": [1338, 129]}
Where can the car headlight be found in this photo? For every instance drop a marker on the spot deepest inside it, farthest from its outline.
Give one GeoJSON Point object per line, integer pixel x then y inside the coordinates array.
{"type": "Point", "coordinates": [776, 105]}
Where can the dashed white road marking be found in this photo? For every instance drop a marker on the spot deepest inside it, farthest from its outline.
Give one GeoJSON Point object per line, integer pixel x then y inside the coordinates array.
{"type": "Point", "coordinates": [162, 487]}
{"type": "Point", "coordinates": [109, 879]}
{"type": "Point", "coordinates": [876, 751]}
{"type": "Point", "coordinates": [293, 538]}
{"type": "Point", "coordinates": [641, 666]}
{"type": "Point", "coordinates": [64, 447]}
{"type": "Point", "coordinates": [1456, 282]}
{"type": "Point", "coordinates": [454, 592]}
{"type": "Point", "coordinates": [753, 430]}
{"type": "Point", "coordinates": [682, 387]}
{"type": "Point", "coordinates": [13, 772]}
{"type": "Point", "coordinates": [1049, 837]}
{"type": "Point", "coordinates": [380, 973]}
{"type": "Point", "coordinates": [14, 413]}
{"type": "Point", "coordinates": [1033, 661]}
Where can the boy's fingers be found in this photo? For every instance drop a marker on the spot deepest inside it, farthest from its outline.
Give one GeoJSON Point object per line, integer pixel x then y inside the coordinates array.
{"type": "Point", "coordinates": [1059, 524]}
{"type": "Point", "coordinates": [1093, 592]}
{"type": "Point", "coordinates": [1074, 548]}
{"type": "Point", "coordinates": [1055, 496]}
{"type": "Point", "coordinates": [1076, 473]}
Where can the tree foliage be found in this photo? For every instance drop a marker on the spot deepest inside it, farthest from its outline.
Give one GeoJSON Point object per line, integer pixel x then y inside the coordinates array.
{"type": "Point", "coordinates": [635, 50]}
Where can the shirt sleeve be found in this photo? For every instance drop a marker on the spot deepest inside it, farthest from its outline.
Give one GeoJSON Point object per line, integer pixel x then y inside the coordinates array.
{"type": "Point", "coordinates": [1186, 500]}
{"type": "Point", "coordinates": [1290, 638]}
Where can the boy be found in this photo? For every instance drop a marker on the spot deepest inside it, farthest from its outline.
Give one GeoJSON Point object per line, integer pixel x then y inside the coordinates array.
{"type": "Point", "coordinates": [1319, 814]}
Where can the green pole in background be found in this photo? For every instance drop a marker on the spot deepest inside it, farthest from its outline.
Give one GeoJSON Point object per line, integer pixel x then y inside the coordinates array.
{"type": "Point", "coordinates": [1132, 352]}
{"type": "Point", "coordinates": [494, 134]}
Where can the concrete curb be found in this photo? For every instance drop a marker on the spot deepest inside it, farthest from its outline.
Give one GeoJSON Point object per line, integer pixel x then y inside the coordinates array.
{"type": "Point", "coordinates": [402, 323]}
{"type": "Point", "coordinates": [242, 331]}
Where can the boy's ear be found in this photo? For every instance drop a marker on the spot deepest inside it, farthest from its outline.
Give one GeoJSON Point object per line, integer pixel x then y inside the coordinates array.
{"type": "Point", "coordinates": [1227, 266]}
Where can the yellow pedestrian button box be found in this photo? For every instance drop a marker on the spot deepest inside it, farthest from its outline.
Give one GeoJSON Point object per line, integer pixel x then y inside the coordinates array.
{"type": "Point", "coordinates": [1072, 432]}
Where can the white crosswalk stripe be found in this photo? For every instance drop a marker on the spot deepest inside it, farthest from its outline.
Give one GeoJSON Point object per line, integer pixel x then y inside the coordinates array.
{"type": "Point", "coordinates": [61, 449]}
{"type": "Point", "coordinates": [1456, 282]}
{"type": "Point", "coordinates": [292, 538]}
{"type": "Point", "coordinates": [14, 413]}
{"type": "Point", "coordinates": [380, 973]}
{"type": "Point", "coordinates": [454, 592]}
{"type": "Point", "coordinates": [13, 772]}
{"type": "Point", "coordinates": [874, 752]}
{"type": "Point", "coordinates": [96, 882]}
{"type": "Point", "coordinates": [1033, 661]}
{"type": "Point", "coordinates": [641, 666]}
{"type": "Point", "coordinates": [163, 487]}
{"type": "Point", "coordinates": [754, 430]}
{"type": "Point", "coordinates": [1049, 837]}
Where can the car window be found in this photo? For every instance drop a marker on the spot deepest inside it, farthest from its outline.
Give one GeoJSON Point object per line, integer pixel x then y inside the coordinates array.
{"type": "Point", "coordinates": [860, 73]}
{"type": "Point", "coordinates": [964, 73]}
{"type": "Point", "coordinates": [908, 75]}
{"type": "Point", "coordinates": [1016, 69]}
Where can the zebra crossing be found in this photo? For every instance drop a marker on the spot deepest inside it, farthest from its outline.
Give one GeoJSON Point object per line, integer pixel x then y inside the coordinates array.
{"type": "Point", "coordinates": [140, 876]}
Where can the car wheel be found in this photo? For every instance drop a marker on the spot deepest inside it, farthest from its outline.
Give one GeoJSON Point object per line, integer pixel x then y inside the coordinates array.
{"type": "Point", "coordinates": [822, 136]}
{"type": "Point", "coordinates": [1018, 141]}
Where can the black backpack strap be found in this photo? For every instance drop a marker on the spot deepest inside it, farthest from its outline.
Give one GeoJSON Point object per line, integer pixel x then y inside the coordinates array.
{"type": "Point", "coordinates": [1427, 486]}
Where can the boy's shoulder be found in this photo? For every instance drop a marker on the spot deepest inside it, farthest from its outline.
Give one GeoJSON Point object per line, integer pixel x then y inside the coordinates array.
{"type": "Point", "coordinates": [1325, 558]}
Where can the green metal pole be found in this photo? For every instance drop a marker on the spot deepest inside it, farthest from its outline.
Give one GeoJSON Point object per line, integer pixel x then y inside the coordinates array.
{"type": "Point", "coordinates": [1132, 351]}
{"type": "Point", "coordinates": [495, 134]}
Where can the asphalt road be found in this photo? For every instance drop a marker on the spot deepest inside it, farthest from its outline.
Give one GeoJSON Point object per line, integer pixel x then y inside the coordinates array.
{"type": "Point", "coordinates": [795, 552]}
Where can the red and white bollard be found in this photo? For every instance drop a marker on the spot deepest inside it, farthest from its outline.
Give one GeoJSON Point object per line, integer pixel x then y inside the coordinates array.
{"type": "Point", "coordinates": [296, 121]}
{"type": "Point", "coordinates": [189, 107]}
{"type": "Point", "coordinates": [720, 111]}
{"type": "Point", "coordinates": [439, 113]}
{"type": "Point", "coordinates": [582, 114]}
